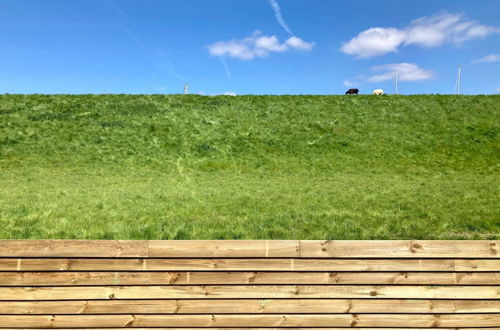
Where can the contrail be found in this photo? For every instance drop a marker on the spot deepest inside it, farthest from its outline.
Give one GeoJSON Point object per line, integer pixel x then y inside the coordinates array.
{"type": "Point", "coordinates": [277, 13]}
{"type": "Point", "coordinates": [171, 67]}
{"type": "Point", "coordinates": [226, 67]}
{"type": "Point", "coordinates": [121, 17]}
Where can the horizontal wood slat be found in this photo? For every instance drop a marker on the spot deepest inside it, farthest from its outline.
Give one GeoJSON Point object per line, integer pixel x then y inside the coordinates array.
{"type": "Point", "coordinates": [243, 278]}
{"type": "Point", "coordinates": [400, 249]}
{"type": "Point", "coordinates": [251, 306]}
{"type": "Point", "coordinates": [249, 292]}
{"type": "Point", "coordinates": [243, 320]}
{"type": "Point", "coordinates": [267, 328]}
{"type": "Point", "coordinates": [330, 265]}
{"type": "Point", "coordinates": [64, 284]}
{"type": "Point", "coordinates": [249, 249]}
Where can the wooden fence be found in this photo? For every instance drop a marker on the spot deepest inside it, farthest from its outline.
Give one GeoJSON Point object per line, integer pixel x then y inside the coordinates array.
{"type": "Point", "coordinates": [249, 284]}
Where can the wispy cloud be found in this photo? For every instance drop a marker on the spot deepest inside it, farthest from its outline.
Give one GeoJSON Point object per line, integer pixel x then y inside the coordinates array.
{"type": "Point", "coordinates": [428, 31]}
{"type": "Point", "coordinates": [293, 41]}
{"type": "Point", "coordinates": [349, 83]}
{"type": "Point", "coordinates": [409, 72]}
{"type": "Point", "coordinates": [225, 93]}
{"type": "Point", "coordinates": [491, 58]}
{"type": "Point", "coordinates": [122, 20]}
{"type": "Point", "coordinates": [257, 45]}
{"type": "Point", "coordinates": [279, 17]}
{"type": "Point", "coordinates": [226, 67]}
{"type": "Point", "coordinates": [405, 72]}
{"type": "Point", "coordinates": [170, 67]}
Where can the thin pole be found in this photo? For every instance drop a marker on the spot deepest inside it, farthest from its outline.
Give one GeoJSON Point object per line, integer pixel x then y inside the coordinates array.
{"type": "Point", "coordinates": [186, 88]}
{"type": "Point", "coordinates": [459, 80]}
{"type": "Point", "coordinates": [396, 82]}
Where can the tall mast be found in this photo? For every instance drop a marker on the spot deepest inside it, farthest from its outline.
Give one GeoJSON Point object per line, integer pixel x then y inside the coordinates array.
{"type": "Point", "coordinates": [186, 88]}
{"type": "Point", "coordinates": [396, 82]}
{"type": "Point", "coordinates": [459, 80]}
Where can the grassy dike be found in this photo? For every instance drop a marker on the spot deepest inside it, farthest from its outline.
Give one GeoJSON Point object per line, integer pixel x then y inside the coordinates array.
{"type": "Point", "coordinates": [273, 167]}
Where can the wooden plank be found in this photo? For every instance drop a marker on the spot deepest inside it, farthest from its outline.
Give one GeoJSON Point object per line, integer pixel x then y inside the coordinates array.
{"type": "Point", "coordinates": [325, 265]}
{"type": "Point", "coordinates": [130, 249]}
{"type": "Point", "coordinates": [283, 320]}
{"type": "Point", "coordinates": [251, 306]}
{"type": "Point", "coordinates": [224, 249]}
{"type": "Point", "coordinates": [73, 248]}
{"type": "Point", "coordinates": [481, 306]}
{"type": "Point", "coordinates": [466, 265]}
{"type": "Point", "coordinates": [289, 328]}
{"type": "Point", "coordinates": [250, 249]}
{"type": "Point", "coordinates": [224, 284]}
{"type": "Point", "coordinates": [214, 278]}
{"type": "Point", "coordinates": [400, 249]}
{"type": "Point", "coordinates": [249, 292]}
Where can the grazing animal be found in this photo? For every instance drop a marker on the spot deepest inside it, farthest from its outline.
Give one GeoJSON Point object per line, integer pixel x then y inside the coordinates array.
{"type": "Point", "coordinates": [351, 91]}
{"type": "Point", "coordinates": [378, 92]}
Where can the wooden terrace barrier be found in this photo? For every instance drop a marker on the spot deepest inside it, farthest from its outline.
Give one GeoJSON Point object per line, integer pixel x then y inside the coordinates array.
{"type": "Point", "coordinates": [249, 284]}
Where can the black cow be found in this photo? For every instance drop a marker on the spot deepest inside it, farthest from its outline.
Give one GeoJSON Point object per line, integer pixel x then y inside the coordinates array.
{"type": "Point", "coordinates": [351, 91]}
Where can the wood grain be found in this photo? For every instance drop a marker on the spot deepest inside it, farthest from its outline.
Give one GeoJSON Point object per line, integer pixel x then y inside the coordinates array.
{"type": "Point", "coordinates": [243, 278]}
{"type": "Point", "coordinates": [73, 248]}
{"type": "Point", "coordinates": [251, 249]}
{"type": "Point", "coordinates": [269, 264]}
{"type": "Point", "coordinates": [249, 292]}
{"type": "Point", "coordinates": [400, 249]}
{"type": "Point", "coordinates": [263, 284]}
{"type": "Point", "coordinates": [250, 306]}
{"type": "Point", "coordinates": [244, 320]}
{"type": "Point", "coordinates": [253, 328]}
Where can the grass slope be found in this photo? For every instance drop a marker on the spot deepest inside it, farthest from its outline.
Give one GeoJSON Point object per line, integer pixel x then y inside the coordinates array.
{"type": "Point", "coordinates": [274, 167]}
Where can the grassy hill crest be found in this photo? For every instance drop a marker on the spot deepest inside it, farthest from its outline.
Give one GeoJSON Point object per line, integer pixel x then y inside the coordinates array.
{"type": "Point", "coordinates": [277, 167]}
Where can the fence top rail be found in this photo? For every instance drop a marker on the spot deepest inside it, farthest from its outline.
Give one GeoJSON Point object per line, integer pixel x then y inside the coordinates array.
{"type": "Point", "coordinates": [250, 249]}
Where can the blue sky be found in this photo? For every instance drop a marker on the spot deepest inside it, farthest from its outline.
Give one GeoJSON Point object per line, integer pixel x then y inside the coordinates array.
{"type": "Point", "coordinates": [248, 46]}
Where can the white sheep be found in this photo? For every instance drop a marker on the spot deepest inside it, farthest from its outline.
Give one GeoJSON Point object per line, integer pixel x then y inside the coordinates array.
{"type": "Point", "coordinates": [378, 92]}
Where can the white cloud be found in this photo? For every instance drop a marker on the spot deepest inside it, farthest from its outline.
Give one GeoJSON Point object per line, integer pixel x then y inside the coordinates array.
{"type": "Point", "coordinates": [387, 72]}
{"type": "Point", "coordinates": [488, 59]}
{"type": "Point", "coordinates": [242, 49]}
{"type": "Point", "coordinates": [257, 45]}
{"type": "Point", "coordinates": [270, 44]}
{"type": "Point", "coordinates": [374, 42]}
{"type": "Point", "coordinates": [432, 31]}
{"type": "Point", "coordinates": [298, 43]}
{"type": "Point", "coordinates": [225, 93]}
{"type": "Point", "coordinates": [498, 90]}
{"type": "Point", "coordinates": [428, 31]}
{"type": "Point", "coordinates": [405, 72]}
{"type": "Point", "coordinates": [349, 83]}
{"type": "Point", "coordinates": [277, 13]}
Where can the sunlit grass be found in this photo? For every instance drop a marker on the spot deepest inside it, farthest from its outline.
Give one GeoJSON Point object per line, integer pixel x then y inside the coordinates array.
{"type": "Point", "coordinates": [278, 167]}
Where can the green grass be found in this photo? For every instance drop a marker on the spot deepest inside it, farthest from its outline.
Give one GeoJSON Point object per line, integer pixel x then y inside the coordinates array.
{"type": "Point", "coordinates": [249, 167]}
